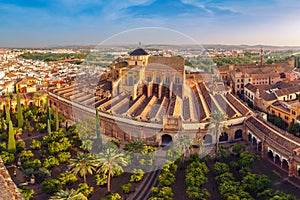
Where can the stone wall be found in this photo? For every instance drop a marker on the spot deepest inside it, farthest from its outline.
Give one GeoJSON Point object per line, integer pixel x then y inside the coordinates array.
{"type": "Point", "coordinates": [9, 190]}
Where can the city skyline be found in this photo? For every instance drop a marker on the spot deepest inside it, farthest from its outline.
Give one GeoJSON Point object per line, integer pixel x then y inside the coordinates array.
{"type": "Point", "coordinates": [41, 23]}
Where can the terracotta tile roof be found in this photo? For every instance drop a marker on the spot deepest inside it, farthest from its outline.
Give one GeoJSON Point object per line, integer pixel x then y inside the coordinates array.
{"type": "Point", "coordinates": [286, 91]}
{"type": "Point", "coordinates": [280, 106]}
{"type": "Point", "coordinates": [251, 87]}
{"type": "Point", "coordinates": [284, 140]}
{"type": "Point", "coordinates": [238, 105]}
{"type": "Point", "coordinates": [175, 62]}
{"type": "Point", "coordinates": [267, 96]}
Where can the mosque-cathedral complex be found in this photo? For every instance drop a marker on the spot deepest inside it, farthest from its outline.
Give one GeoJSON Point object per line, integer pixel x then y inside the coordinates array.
{"type": "Point", "coordinates": [154, 98]}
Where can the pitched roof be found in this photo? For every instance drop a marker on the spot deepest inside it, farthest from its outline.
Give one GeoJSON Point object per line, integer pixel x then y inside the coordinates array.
{"type": "Point", "coordinates": [139, 52]}
{"type": "Point", "coordinates": [267, 96]}
{"type": "Point", "coordinates": [251, 87]}
{"type": "Point", "coordinates": [286, 91]}
{"type": "Point", "coordinates": [175, 62]}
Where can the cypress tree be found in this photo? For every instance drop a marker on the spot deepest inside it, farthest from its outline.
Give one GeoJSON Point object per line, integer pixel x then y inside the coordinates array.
{"type": "Point", "coordinates": [98, 132]}
{"type": "Point", "coordinates": [11, 146]}
{"type": "Point", "coordinates": [7, 114]}
{"type": "Point", "coordinates": [48, 109]}
{"type": "Point", "coordinates": [4, 112]}
{"type": "Point", "coordinates": [19, 112]}
{"type": "Point", "coordinates": [56, 120]}
{"type": "Point", "coordinates": [48, 127]}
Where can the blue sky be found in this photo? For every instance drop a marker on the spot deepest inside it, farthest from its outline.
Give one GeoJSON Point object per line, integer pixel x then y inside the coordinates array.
{"type": "Point", "coordinates": [68, 22]}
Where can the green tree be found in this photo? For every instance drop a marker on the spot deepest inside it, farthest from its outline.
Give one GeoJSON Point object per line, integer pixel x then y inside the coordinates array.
{"type": "Point", "coordinates": [255, 183]}
{"type": "Point", "coordinates": [56, 121]}
{"type": "Point", "coordinates": [100, 179]}
{"type": "Point", "coordinates": [111, 161]}
{"type": "Point", "coordinates": [51, 186]}
{"type": "Point", "coordinates": [48, 127]}
{"type": "Point", "coordinates": [98, 132]}
{"type": "Point", "coordinates": [11, 146]}
{"type": "Point", "coordinates": [246, 159]}
{"type": "Point", "coordinates": [26, 192]}
{"type": "Point", "coordinates": [136, 175]}
{"type": "Point", "coordinates": [10, 97]}
{"type": "Point", "coordinates": [199, 141]}
{"type": "Point", "coordinates": [68, 195]}
{"type": "Point", "coordinates": [294, 128]}
{"type": "Point", "coordinates": [184, 143]}
{"type": "Point", "coordinates": [126, 188]}
{"type": "Point", "coordinates": [50, 162]}
{"type": "Point", "coordinates": [83, 164]}
{"type": "Point", "coordinates": [165, 193]}
{"type": "Point", "coordinates": [19, 112]}
{"type": "Point", "coordinates": [67, 178]}
{"type": "Point", "coordinates": [220, 168]}
{"type": "Point", "coordinates": [113, 196]}
{"type": "Point", "coordinates": [7, 114]}
{"type": "Point", "coordinates": [85, 189]}
{"type": "Point", "coordinates": [217, 125]}
{"type": "Point", "coordinates": [37, 98]}
{"type": "Point", "coordinates": [35, 144]}
{"type": "Point", "coordinates": [136, 147]}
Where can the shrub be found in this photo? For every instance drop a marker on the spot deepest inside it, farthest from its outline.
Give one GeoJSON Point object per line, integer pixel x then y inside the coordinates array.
{"type": "Point", "coordinates": [63, 157]}
{"type": "Point", "coordinates": [166, 178]}
{"type": "Point", "coordinates": [246, 159]}
{"type": "Point", "coordinates": [51, 186]}
{"type": "Point", "coordinates": [126, 188]}
{"type": "Point", "coordinates": [20, 145]}
{"type": "Point", "coordinates": [113, 196]}
{"type": "Point", "coordinates": [3, 146]}
{"type": "Point", "coordinates": [100, 179]}
{"type": "Point", "coordinates": [256, 183]}
{"type": "Point", "coordinates": [35, 144]}
{"type": "Point", "coordinates": [85, 189]}
{"type": "Point", "coordinates": [26, 192]}
{"type": "Point", "coordinates": [26, 155]}
{"type": "Point", "coordinates": [117, 173]}
{"type": "Point", "coordinates": [67, 178]}
{"type": "Point", "coordinates": [238, 148]}
{"type": "Point", "coordinates": [137, 175]}
{"type": "Point", "coordinates": [7, 157]}
{"type": "Point", "coordinates": [50, 162]}
{"type": "Point", "coordinates": [220, 168]}
{"type": "Point", "coordinates": [165, 193]}
{"type": "Point", "coordinates": [36, 163]}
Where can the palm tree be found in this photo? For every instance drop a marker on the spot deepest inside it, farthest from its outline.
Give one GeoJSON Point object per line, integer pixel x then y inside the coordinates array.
{"type": "Point", "coordinates": [136, 146]}
{"type": "Point", "coordinates": [83, 164]}
{"type": "Point", "coordinates": [217, 125]}
{"type": "Point", "coordinates": [10, 98]}
{"type": "Point", "coordinates": [199, 141]}
{"type": "Point", "coordinates": [37, 97]}
{"type": "Point", "coordinates": [184, 143]}
{"type": "Point", "coordinates": [68, 195]}
{"type": "Point", "coordinates": [110, 161]}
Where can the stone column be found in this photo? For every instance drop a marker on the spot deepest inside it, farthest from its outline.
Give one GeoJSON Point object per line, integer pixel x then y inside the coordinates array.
{"type": "Point", "coordinates": [230, 136]}
{"type": "Point", "coordinates": [149, 89]}
{"type": "Point", "coordinates": [292, 167]}
{"type": "Point", "coordinates": [245, 134]}
{"type": "Point", "coordinates": [171, 89]}
{"type": "Point", "coordinates": [264, 150]}
{"type": "Point", "coordinates": [159, 90]}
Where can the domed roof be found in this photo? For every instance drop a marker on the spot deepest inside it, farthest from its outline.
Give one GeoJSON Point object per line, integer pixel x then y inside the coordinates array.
{"type": "Point", "coordinates": [139, 52]}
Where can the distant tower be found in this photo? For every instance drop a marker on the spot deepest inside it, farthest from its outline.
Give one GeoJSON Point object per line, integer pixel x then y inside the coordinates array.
{"type": "Point", "coordinates": [261, 56]}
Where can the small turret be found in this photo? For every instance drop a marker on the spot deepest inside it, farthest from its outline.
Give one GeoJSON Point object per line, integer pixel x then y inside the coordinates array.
{"type": "Point", "coordinates": [138, 57]}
